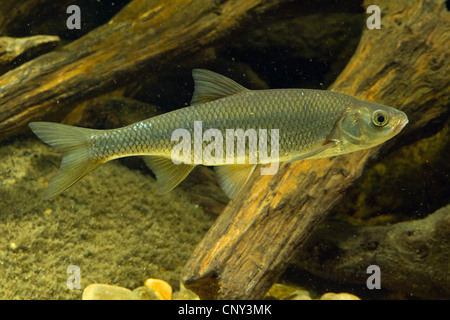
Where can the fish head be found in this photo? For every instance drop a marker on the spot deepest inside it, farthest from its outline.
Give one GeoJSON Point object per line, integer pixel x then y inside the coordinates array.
{"type": "Point", "coordinates": [367, 124]}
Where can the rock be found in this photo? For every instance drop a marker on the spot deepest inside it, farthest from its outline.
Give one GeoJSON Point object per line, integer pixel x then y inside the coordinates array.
{"type": "Point", "coordinates": [285, 292]}
{"type": "Point", "coordinates": [299, 295]}
{"type": "Point", "coordinates": [153, 289]}
{"type": "Point", "coordinates": [338, 296]}
{"type": "Point", "coordinates": [162, 289]}
{"type": "Point", "coordinates": [145, 293]}
{"type": "Point", "coordinates": [98, 291]}
{"type": "Point", "coordinates": [288, 292]}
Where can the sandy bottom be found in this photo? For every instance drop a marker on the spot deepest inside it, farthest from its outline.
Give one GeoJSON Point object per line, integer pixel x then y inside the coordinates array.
{"type": "Point", "coordinates": [111, 224]}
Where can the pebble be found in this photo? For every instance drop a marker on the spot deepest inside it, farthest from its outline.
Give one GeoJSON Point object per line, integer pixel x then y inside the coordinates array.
{"type": "Point", "coordinates": [144, 293]}
{"type": "Point", "coordinates": [300, 295]}
{"type": "Point", "coordinates": [338, 296]}
{"type": "Point", "coordinates": [98, 291]}
{"type": "Point", "coordinates": [161, 288]}
{"type": "Point", "coordinates": [280, 291]}
{"type": "Point", "coordinates": [287, 292]}
{"type": "Point", "coordinates": [153, 289]}
{"type": "Point", "coordinates": [156, 289]}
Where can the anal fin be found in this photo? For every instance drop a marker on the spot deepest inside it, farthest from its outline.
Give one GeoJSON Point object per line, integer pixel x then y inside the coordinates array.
{"type": "Point", "coordinates": [168, 174]}
{"type": "Point", "coordinates": [232, 178]}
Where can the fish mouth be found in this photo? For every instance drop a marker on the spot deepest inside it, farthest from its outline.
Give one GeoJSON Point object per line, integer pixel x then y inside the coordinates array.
{"type": "Point", "coordinates": [400, 126]}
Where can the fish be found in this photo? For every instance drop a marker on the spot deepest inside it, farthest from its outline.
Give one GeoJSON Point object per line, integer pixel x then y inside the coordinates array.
{"type": "Point", "coordinates": [299, 124]}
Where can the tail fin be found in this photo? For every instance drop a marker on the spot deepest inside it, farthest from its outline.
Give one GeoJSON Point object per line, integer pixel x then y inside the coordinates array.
{"type": "Point", "coordinates": [72, 142]}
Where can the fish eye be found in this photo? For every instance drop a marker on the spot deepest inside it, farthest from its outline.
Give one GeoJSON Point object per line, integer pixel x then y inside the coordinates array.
{"type": "Point", "coordinates": [380, 118]}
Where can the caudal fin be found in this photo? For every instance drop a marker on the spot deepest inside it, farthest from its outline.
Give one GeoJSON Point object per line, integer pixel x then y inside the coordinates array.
{"type": "Point", "coordinates": [72, 142]}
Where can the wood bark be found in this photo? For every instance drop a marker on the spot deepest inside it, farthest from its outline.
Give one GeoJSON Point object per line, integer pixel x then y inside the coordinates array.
{"type": "Point", "coordinates": [15, 51]}
{"type": "Point", "coordinates": [413, 256]}
{"type": "Point", "coordinates": [143, 34]}
{"type": "Point", "coordinates": [404, 65]}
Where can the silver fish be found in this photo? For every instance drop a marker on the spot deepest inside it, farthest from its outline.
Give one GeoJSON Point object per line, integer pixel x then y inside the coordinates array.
{"type": "Point", "coordinates": [308, 124]}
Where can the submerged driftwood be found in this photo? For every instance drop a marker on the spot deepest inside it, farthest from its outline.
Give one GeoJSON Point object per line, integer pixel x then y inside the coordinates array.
{"type": "Point", "coordinates": [403, 65]}
{"type": "Point", "coordinates": [142, 34]}
{"type": "Point", "coordinates": [413, 256]}
{"type": "Point", "coordinates": [15, 51]}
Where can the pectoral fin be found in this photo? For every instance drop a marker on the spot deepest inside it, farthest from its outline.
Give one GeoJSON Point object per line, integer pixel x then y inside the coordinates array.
{"type": "Point", "coordinates": [326, 146]}
{"type": "Point", "coordinates": [232, 178]}
{"type": "Point", "coordinates": [168, 174]}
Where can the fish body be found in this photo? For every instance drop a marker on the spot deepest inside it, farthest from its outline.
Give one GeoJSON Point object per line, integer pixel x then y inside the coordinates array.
{"type": "Point", "coordinates": [300, 130]}
{"type": "Point", "coordinates": [297, 124]}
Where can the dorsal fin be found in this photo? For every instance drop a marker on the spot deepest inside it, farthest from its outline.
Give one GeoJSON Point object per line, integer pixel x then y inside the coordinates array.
{"type": "Point", "coordinates": [211, 86]}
